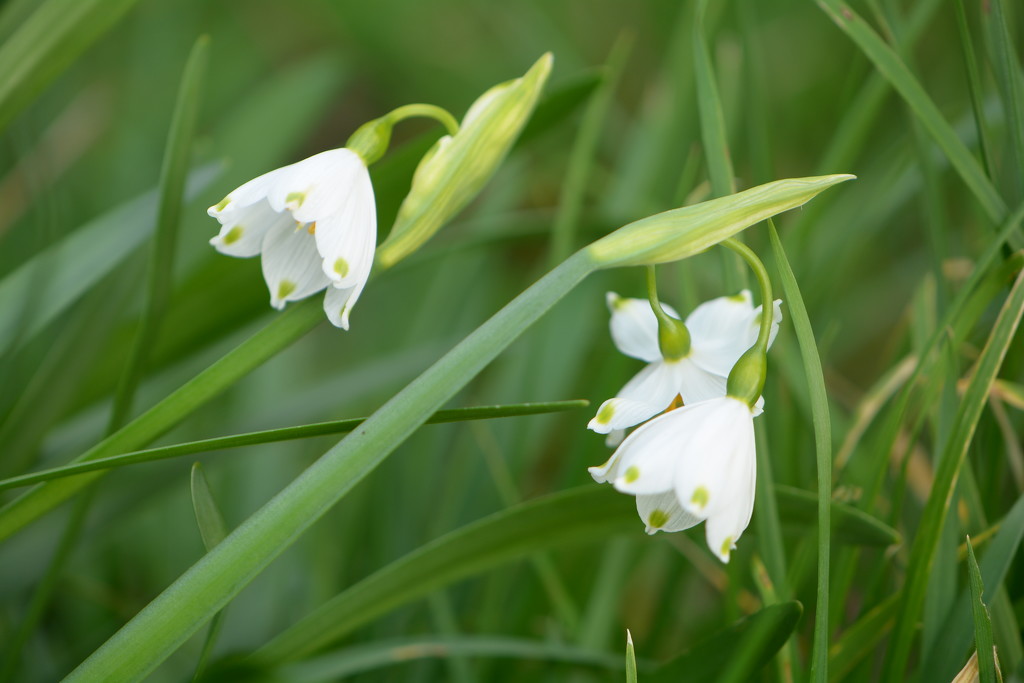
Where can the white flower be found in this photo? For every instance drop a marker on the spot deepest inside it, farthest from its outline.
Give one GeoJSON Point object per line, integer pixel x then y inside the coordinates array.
{"type": "Point", "coordinates": [720, 331]}
{"type": "Point", "coordinates": [314, 222]}
{"type": "Point", "coordinates": [692, 464]}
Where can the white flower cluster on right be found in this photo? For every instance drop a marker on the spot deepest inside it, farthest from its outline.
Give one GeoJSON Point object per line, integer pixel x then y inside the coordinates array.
{"type": "Point", "coordinates": [695, 460]}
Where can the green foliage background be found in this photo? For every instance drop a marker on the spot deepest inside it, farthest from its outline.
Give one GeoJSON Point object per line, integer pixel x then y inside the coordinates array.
{"type": "Point", "coordinates": [879, 263]}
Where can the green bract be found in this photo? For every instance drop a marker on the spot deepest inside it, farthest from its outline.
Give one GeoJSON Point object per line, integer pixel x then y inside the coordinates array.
{"type": "Point", "coordinates": [683, 232]}
{"type": "Point", "coordinates": [457, 167]}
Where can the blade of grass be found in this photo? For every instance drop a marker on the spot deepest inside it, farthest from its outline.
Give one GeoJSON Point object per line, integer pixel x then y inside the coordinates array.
{"type": "Point", "coordinates": [161, 260]}
{"type": "Point", "coordinates": [823, 449]}
{"type": "Point", "coordinates": [895, 71]}
{"type": "Point", "coordinates": [1008, 76]}
{"type": "Point", "coordinates": [954, 453]}
{"type": "Point", "coordinates": [630, 659]}
{"type": "Point", "coordinates": [275, 435]}
{"type": "Point", "coordinates": [982, 621]}
{"type": "Point", "coordinates": [974, 82]}
{"type": "Point", "coordinates": [49, 41]}
{"type": "Point", "coordinates": [213, 530]}
{"type": "Point", "coordinates": [945, 657]}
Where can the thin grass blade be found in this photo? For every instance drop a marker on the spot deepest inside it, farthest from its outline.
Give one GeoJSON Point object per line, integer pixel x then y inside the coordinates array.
{"type": "Point", "coordinates": [982, 620]}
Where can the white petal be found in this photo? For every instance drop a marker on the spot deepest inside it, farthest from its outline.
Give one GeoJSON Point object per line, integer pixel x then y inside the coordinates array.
{"type": "Point", "coordinates": [615, 437]}
{"type": "Point", "coordinates": [338, 303]}
{"type": "Point", "coordinates": [347, 238]}
{"type": "Point", "coordinates": [616, 414]}
{"type": "Point", "coordinates": [634, 327]}
{"type": "Point", "coordinates": [713, 465]}
{"type": "Point", "coordinates": [661, 512]}
{"type": "Point", "coordinates": [657, 385]}
{"type": "Point", "coordinates": [245, 195]}
{"type": "Point", "coordinates": [725, 527]}
{"type": "Point", "coordinates": [722, 329]}
{"type": "Point", "coordinates": [316, 188]}
{"type": "Point", "coordinates": [647, 459]}
{"type": "Point", "coordinates": [243, 230]}
{"type": "Point", "coordinates": [291, 264]}
{"type": "Point", "coordinates": [695, 384]}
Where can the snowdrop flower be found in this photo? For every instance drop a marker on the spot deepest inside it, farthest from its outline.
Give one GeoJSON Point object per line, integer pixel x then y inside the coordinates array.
{"type": "Point", "coordinates": [694, 463]}
{"type": "Point", "coordinates": [315, 224]}
{"type": "Point", "coordinates": [720, 331]}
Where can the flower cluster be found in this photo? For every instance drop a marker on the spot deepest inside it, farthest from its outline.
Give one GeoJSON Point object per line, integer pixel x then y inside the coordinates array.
{"type": "Point", "coordinates": [695, 460]}
{"type": "Point", "coordinates": [315, 221]}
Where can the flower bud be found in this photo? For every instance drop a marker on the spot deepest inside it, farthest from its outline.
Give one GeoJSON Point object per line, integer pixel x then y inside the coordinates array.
{"type": "Point", "coordinates": [673, 338]}
{"type": "Point", "coordinates": [746, 379]}
{"type": "Point", "coordinates": [676, 234]}
{"type": "Point", "coordinates": [457, 167]}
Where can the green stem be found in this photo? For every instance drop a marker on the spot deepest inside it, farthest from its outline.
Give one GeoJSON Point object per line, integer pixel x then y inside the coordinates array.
{"type": "Point", "coordinates": [428, 111]}
{"type": "Point", "coordinates": [652, 296]}
{"type": "Point", "coordinates": [764, 282]}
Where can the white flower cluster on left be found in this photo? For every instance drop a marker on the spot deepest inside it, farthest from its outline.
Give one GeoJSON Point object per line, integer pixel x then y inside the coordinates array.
{"type": "Point", "coordinates": [695, 460]}
{"type": "Point", "coordinates": [315, 224]}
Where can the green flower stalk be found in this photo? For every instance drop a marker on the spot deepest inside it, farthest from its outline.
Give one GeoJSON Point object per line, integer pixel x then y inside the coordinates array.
{"type": "Point", "coordinates": [458, 166]}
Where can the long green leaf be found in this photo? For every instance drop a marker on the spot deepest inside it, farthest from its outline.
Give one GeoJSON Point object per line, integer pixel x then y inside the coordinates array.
{"type": "Point", "coordinates": [275, 435]}
{"type": "Point", "coordinates": [926, 539]}
{"type": "Point", "coordinates": [712, 120]}
{"type": "Point", "coordinates": [1007, 70]}
{"type": "Point", "coordinates": [982, 621]}
{"type": "Point", "coordinates": [630, 659]}
{"type": "Point", "coordinates": [213, 530]}
{"type": "Point", "coordinates": [860, 639]}
{"type": "Point", "coordinates": [161, 262]}
{"type": "Point", "coordinates": [823, 449]}
{"type": "Point", "coordinates": [47, 43]}
{"type": "Point", "coordinates": [849, 524]}
{"type": "Point", "coordinates": [896, 72]}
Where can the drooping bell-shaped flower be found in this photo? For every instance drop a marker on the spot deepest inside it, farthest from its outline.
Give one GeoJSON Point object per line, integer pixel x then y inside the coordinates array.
{"type": "Point", "coordinates": [694, 463]}
{"type": "Point", "coordinates": [720, 331]}
{"type": "Point", "coordinates": [315, 224]}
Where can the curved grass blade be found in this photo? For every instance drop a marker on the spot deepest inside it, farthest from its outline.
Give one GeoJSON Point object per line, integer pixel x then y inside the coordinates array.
{"type": "Point", "coordinates": [738, 651]}
{"type": "Point", "coordinates": [896, 72]}
{"type": "Point", "coordinates": [974, 82]}
{"type": "Point", "coordinates": [161, 261]}
{"type": "Point", "coordinates": [275, 435]}
{"type": "Point", "coordinates": [56, 33]}
{"type": "Point", "coordinates": [822, 444]}
{"type": "Point", "coordinates": [1008, 75]}
{"type": "Point", "coordinates": [926, 539]}
{"type": "Point", "coordinates": [982, 621]}
{"type": "Point", "coordinates": [946, 655]}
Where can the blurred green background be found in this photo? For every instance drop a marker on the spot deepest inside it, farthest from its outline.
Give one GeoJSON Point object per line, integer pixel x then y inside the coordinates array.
{"type": "Point", "coordinates": [877, 260]}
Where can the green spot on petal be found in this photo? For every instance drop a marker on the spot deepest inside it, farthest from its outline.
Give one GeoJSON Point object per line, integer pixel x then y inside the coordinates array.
{"type": "Point", "coordinates": [285, 288]}
{"type": "Point", "coordinates": [737, 297]}
{"type": "Point", "coordinates": [222, 204]}
{"type": "Point", "coordinates": [700, 497]}
{"type": "Point", "coordinates": [658, 519]}
{"type": "Point", "coordinates": [341, 267]}
{"type": "Point", "coordinates": [632, 474]}
{"type": "Point", "coordinates": [617, 302]}
{"type": "Point", "coordinates": [604, 415]}
{"type": "Point", "coordinates": [726, 547]}
{"type": "Point", "coordinates": [234, 234]}
{"type": "Point", "coordinates": [295, 198]}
